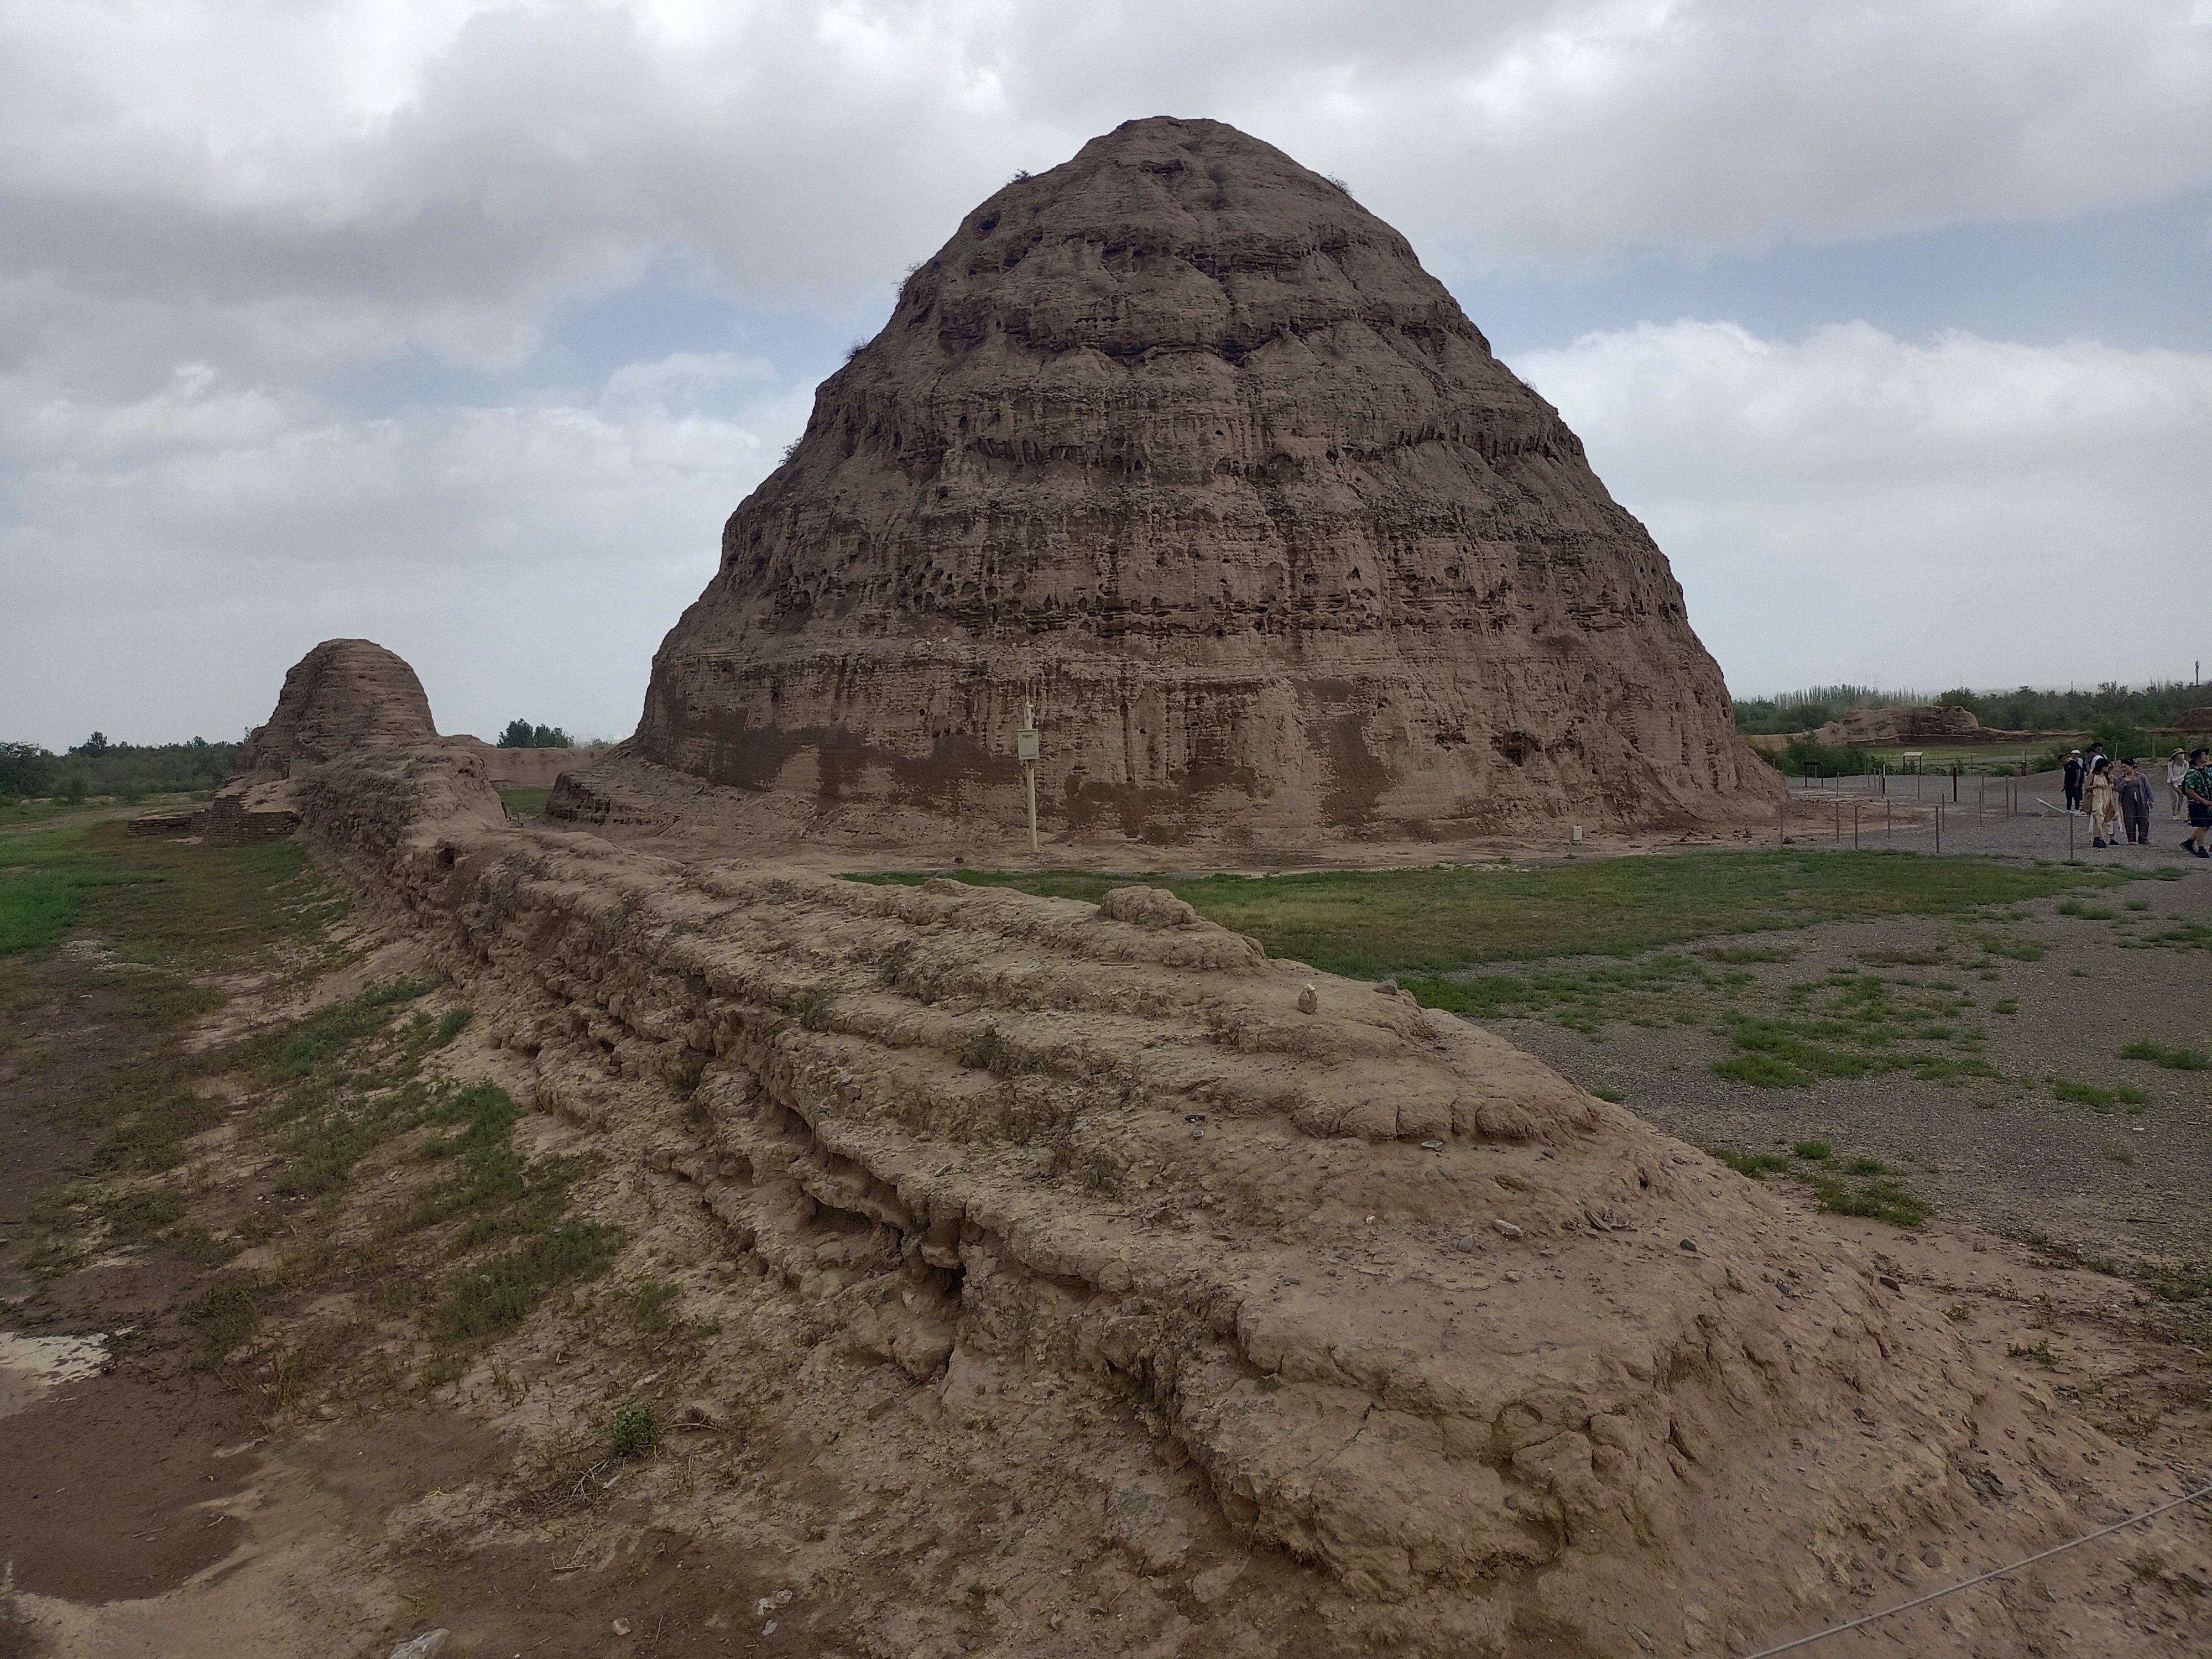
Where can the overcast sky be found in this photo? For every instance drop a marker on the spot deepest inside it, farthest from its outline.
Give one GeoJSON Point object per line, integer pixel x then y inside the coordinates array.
{"type": "Point", "coordinates": [463, 326]}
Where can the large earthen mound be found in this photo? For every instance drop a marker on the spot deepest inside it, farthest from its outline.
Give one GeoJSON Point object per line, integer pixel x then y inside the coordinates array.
{"type": "Point", "coordinates": [1908, 723]}
{"type": "Point", "coordinates": [1180, 443]}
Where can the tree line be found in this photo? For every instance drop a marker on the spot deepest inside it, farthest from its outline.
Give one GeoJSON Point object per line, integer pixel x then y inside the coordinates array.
{"type": "Point", "coordinates": [2154, 708]}
{"type": "Point", "coordinates": [100, 766]}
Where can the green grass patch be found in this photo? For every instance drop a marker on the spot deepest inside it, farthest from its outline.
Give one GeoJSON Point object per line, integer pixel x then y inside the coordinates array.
{"type": "Point", "coordinates": [1860, 1186]}
{"type": "Point", "coordinates": [1582, 1000]}
{"type": "Point", "coordinates": [311, 1043]}
{"type": "Point", "coordinates": [2184, 936]}
{"type": "Point", "coordinates": [2174, 1059]}
{"type": "Point", "coordinates": [1446, 918]}
{"type": "Point", "coordinates": [1880, 1197]}
{"type": "Point", "coordinates": [2177, 1281]}
{"type": "Point", "coordinates": [37, 909]}
{"type": "Point", "coordinates": [495, 1296]}
{"type": "Point", "coordinates": [2087, 912]}
{"type": "Point", "coordinates": [1852, 1024]}
{"type": "Point", "coordinates": [134, 1214]}
{"type": "Point", "coordinates": [525, 803]}
{"type": "Point", "coordinates": [2103, 1097]}
{"type": "Point", "coordinates": [155, 901]}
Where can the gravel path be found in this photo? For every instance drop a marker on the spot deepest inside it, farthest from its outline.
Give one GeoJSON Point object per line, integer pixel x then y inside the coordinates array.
{"type": "Point", "coordinates": [2003, 1152]}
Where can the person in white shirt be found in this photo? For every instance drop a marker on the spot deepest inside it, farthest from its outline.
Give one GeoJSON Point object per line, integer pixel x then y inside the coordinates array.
{"type": "Point", "coordinates": [2176, 769]}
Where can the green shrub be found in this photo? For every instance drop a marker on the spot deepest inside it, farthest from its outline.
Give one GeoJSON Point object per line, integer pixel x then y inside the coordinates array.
{"type": "Point", "coordinates": [2174, 1059]}
{"type": "Point", "coordinates": [496, 1296]}
{"type": "Point", "coordinates": [635, 1430]}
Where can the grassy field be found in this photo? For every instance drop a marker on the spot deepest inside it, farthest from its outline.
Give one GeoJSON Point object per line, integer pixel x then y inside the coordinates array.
{"type": "Point", "coordinates": [1368, 923]}
{"type": "Point", "coordinates": [156, 900]}
{"type": "Point", "coordinates": [525, 803]}
{"type": "Point", "coordinates": [466, 1234]}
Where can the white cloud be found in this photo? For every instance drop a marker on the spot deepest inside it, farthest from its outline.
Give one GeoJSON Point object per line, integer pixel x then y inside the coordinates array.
{"type": "Point", "coordinates": [164, 571]}
{"type": "Point", "coordinates": [1853, 506]}
{"type": "Point", "coordinates": [215, 217]}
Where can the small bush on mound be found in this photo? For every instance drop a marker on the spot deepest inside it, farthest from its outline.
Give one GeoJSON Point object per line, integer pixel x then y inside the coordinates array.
{"type": "Point", "coordinates": [635, 1430]}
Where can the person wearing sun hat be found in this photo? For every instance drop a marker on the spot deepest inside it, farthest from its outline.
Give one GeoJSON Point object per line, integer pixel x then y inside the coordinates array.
{"type": "Point", "coordinates": [2177, 767]}
{"type": "Point", "coordinates": [2196, 784]}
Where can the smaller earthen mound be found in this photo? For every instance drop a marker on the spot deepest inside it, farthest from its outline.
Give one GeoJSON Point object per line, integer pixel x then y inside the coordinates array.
{"type": "Point", "coordinates": [343, 698]}
{"type": "Point", "coordinates": [1884, 728]}
{"type": "Point", "coordinates": [2198, 721]}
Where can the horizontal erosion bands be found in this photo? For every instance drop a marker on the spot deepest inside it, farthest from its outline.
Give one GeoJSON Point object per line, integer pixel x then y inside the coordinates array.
{"type": "Point", "coordinates": [1110, 1139]}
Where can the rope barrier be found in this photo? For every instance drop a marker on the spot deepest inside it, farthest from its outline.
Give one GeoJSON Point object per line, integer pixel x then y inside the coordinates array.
{"type": "Point", "coordinates": [2204, 1491]}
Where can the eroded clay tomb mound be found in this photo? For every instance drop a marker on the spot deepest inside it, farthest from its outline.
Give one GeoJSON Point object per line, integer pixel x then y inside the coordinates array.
{"type": "Point", "coordinates": [1181, 443]}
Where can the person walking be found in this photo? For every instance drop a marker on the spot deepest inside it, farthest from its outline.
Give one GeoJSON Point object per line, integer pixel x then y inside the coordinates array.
{"type": "Point", "coordinates": [2196, 784]}
{"type": "Point", "coordinates": [2104, 804]}
{"type": "Point", "coordinates": [2135, 793]}
{"type": "Point", "coordinates": [2074, 782]}
{"type": "Point", "coordinates": [2177, 768]}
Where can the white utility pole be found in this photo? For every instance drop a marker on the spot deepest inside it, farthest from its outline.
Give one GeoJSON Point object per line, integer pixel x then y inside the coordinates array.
{"type": "Point", "coordinates": [1026, 747]}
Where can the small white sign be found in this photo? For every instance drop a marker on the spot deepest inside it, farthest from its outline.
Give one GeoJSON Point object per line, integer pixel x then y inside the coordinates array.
{"type": "Point", "coordinates": [1026, 745]}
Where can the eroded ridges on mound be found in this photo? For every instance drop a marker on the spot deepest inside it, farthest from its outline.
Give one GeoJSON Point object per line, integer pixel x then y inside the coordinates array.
{"type": "Point", "coordinates": [960, 1122]}
{"type": "Point", "coordinates": [1179, 443]}
{"type": "Point", "coordinates": [974, 1131]}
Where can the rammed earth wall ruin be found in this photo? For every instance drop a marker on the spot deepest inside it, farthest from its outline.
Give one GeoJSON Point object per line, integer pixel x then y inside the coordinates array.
{"type": "Point", "coordinates": [1423, 1311]}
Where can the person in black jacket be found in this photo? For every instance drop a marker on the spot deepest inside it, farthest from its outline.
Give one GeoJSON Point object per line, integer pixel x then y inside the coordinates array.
{"type": "Point", "coordinates": [2135, 797]}
{"type": "Point", "coordinates": [2074, 776]}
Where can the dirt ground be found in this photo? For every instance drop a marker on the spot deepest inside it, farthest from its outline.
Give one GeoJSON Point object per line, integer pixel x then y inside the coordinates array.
{"type": "Point", "coordinates": [152, 1503]}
